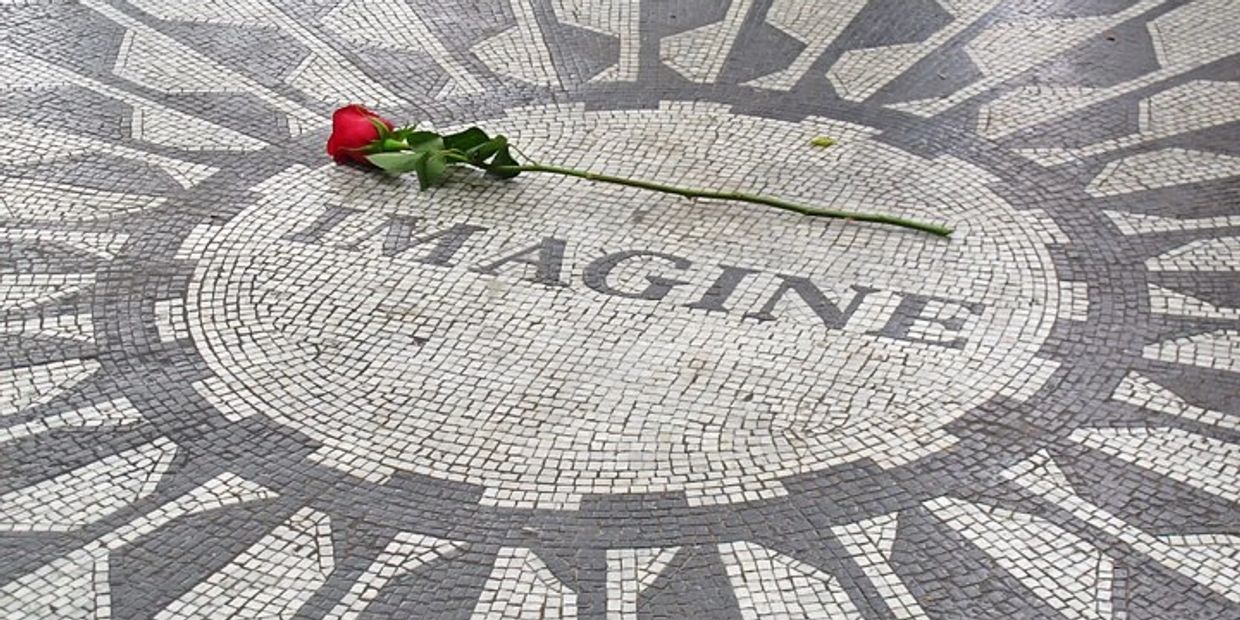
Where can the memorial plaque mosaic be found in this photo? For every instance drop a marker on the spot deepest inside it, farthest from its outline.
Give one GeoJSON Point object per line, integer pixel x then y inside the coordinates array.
{"type": "Point", "coordinates": [239, 380]}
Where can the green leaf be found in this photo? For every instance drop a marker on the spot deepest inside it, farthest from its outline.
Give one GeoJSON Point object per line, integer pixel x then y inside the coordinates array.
{"type": "Point", "coordinates": [425, 141]}
{"type": "Point", "coordinates": [823, 142]}
{"type": "Point", "coordinates": [455, 157]}
{"type": "Point", "coordinates": [465, 140]}
{"type": "Point", "coordinates": [484, 151]}
{"type": "Point", "coordinates": [395, 163]}
{"type": "Point", "coordinates": [503, 158]}
{"type": "Point", "coordinates": [430, 167]}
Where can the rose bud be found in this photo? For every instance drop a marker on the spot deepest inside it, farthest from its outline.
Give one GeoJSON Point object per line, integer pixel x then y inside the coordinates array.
{"type": "Point", "coordinates": [354, 128]}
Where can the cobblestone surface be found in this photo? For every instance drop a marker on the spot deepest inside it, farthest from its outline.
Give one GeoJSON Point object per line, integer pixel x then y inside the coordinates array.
{"type": "Point", "coordinates": [239, 381]}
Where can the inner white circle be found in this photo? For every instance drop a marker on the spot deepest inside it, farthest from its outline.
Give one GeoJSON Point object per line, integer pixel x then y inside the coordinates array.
{"type": "Point", "coordinates": [317, 308]}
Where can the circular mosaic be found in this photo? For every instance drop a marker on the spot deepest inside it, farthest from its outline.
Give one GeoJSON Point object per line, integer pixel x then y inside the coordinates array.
{"type": "Point", "coordinates": [237, 380]}
{"type": "Point", "coordinates": [549, 338]}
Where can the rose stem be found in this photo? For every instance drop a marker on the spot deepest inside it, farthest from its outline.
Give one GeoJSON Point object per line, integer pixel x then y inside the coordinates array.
{"type": "Point", "coordinates": [933, 229]}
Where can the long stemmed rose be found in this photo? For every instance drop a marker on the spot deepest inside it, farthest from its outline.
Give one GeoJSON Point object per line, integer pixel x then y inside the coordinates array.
{"type": "Point", "coordinates": [363, 137]}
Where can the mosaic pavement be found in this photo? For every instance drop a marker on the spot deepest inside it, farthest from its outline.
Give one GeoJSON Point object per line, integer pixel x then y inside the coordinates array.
{"type": "Point", "coordinates": [238, 381]}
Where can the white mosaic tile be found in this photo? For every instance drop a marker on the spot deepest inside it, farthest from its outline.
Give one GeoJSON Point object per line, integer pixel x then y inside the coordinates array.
{"type": "Point", "coordinates": [620, 19]}
{"type": "Point", "coordinates": [87, 494]}
{"type": "Point", "coordinates": [1184, 38]}
{"type": "Point", "coordinates": [77, 327]}
{"type": "Point", "coordinates": [26, 387]}
{"type": "Point", "coordinates": [152, 121]}
{"type": "Point", "coordinates": [193, 246]}
{"type": "Point", "coordinates": [1008, 48]}
{"type": "Point", "coordinates": [33, 144]}
{"type": "Point", "coordinates": [118, 412]}
{"type": "Point", "coordinates": [1167, 301]}
{"type": "Point", "coordinates": [396, 25]}
{"type": "Point", "coordinates": [1033, 380]}
{"type": "Point", "coordinates": [271, 579]}
{"type": "Point", "coordinates": [629, 572]}
{"type": "Point", "coordinates": [1074, 300]}
{"type": "Point", "coordinates": [325, 74]}
{"type": "Point", "coordinates": [41, 201]}
{"type": "Point", "coordinates": [1190, 107]}
{"type": "Point", "coordinates": [77, 584]}
{"type": "Point", "coordinates": [520, 587]}
{"type": "Point", "coordinates": [1208, 464]}
{"type": "Point", "coordinates": [1066, 571]}
{"type": "Point", "coordinates": [1046, 156]}
{"type": "Point", "coordinates": [769, 584]}
{"type": "Point", "coordinates": [1208, 560]}
{"type": "Point", "coordinates": [520, 52]}
{"type": "Point", "coordinates": [406, 552]}
{"type": "Point", "coordinates": [1141, 224]}
{"type": "Point", "coordinates": [225, 489]}
{"type": "Point", "coordinates": [1218, 349]}
{"type": "Point", "coordinates": [347, 461]}
{"type": "Point", "coordinates": [699, 54]}
{"type": "Point", "coordinates": [100, 245]}
{"type": "Point", "coordinates": [1012, 111]}
{"type": "Point", "coordinates": [1137, 389]}
{"type": "Point", "coordinates": [1218, 254]}
{"type": "Point", "coordinates": [860, 73]}
{"type": "Point", "coordinates": [1162, 168]}
{"type": "Point", "coordinates": [217, 392]}
{"type": "Point", "coordinates": [160, 62]}
{"type": "Point", "coordinates": [240, 12]}
{"type": "Point", "coordinates": [170, 319]}
{"type": "Point", "coordinates": [817, 26]}
{"type": "Point", "coordinates": [26, 291]}
{"type": "Point", "coordinates": [870, 543]}
{"type": "Point", "coordinates": [1045, 226]}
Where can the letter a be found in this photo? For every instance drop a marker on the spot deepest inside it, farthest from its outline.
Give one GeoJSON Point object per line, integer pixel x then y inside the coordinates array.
{"type": "Point", "coordinates": [547, 255]}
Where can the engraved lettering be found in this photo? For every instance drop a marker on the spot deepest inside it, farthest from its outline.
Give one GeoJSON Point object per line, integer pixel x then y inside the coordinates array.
{"type": "Point", "coordinates": [813, 297]}
{"type": "Point", "coordinates": [547, 256]}
{"type": "Point", "coordinates": [597, 272]}
{"type": "Point", "coordinates": [912, 309]}
{"type": "Point", "coordinates": [721, 289]}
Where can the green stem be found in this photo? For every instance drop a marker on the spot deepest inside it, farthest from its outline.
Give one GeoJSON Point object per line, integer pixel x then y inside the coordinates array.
{"type": "Point", "coordinates": [933, 229]}
{"type": "Point", "coordinates": [518, 151]}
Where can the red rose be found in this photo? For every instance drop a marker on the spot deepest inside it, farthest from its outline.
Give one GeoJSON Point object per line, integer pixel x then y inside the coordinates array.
{"type": "Point", "coordinates": [352, 130]}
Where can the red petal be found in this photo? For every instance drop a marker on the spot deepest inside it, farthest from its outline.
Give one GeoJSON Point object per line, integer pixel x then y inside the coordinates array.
{"type": "Point", "coordinates": [352, 130]}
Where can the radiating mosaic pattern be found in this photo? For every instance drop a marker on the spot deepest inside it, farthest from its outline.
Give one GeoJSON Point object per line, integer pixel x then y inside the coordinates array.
{"type": "Point", "coordinates": [239, 381]}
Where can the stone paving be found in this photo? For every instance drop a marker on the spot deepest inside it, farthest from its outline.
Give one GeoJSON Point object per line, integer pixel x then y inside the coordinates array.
{"type": "Point", "coordinates": [239, 381]}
